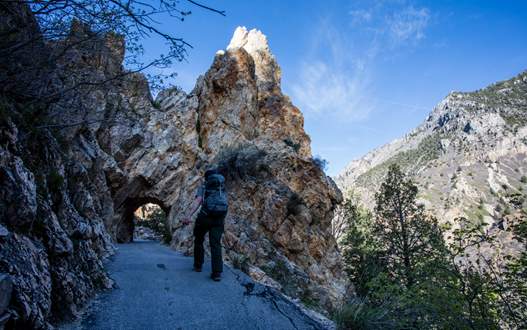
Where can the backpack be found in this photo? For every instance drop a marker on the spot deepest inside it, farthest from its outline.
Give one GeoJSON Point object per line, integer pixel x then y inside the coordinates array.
{"type": "Point", "coordinates": [215, 198]}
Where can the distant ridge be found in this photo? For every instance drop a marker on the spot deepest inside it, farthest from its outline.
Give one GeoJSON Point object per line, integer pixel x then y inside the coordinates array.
{"type": "Point", "coordinates": [468, 158]}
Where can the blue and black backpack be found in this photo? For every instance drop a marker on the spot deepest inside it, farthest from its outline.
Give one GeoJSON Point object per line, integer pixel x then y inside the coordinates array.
{"type": "Point", "coordinates": [215, 198]}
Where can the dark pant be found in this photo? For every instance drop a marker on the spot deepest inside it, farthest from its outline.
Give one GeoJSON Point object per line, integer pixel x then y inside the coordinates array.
{"type": "Point", "coordinates": [213, 225]}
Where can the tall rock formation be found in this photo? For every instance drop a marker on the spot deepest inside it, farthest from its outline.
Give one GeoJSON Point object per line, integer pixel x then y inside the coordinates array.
{"type": "Point", "coordinates": [281, 202]}
{"type": "Point", "coordinates": [469, 158]}
{"type": "Point", "coordinates": [73, 174]}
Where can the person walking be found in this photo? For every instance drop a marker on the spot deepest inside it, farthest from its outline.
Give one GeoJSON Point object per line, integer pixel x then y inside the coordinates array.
{"type": "Point", "coordinates": [212, 199]}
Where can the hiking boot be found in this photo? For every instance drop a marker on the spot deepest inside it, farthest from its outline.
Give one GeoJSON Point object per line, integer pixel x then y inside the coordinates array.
{"type": "Point", "coordinates": [197, 269]}
{"type": "Point", "coordinates": [215, 277]}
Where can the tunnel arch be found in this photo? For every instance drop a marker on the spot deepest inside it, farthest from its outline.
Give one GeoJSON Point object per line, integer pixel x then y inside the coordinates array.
{"type": "Point", "coordinates": [125, 227]}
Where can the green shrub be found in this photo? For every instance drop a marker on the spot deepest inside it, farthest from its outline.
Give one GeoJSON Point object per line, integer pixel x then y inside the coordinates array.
{"type": "Point", "coordinates": [507, 211]}
{"type": "Point", "coordinates": [277, 270]}
{"type": "Point", "coordinates": [523, 179]}
{"type": "Point", "coordinates": [241, 262]}
{"type": "Point", "coordinates": [480, 217]}
{"type": "Point", "coordinates": [516, 199]}
{"type": "Point", "coordinates": [309, 301]}
{"type": "Point", "coordinates": [292, 144]}
{"type": "Point", "coordinates": [280, 272]}
{"type": "Point", "coordinates": [156, 105]}
{"type": "Point", "coordinates": [242, 161]}
{"type": "Point", "coordinates": [320, 163]}
{"type": "Point", "coordinates": [360, 314]}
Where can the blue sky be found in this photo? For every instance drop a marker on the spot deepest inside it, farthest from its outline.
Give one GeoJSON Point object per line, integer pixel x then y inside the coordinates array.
{"type": "Point", "coordinates": [365, 72]}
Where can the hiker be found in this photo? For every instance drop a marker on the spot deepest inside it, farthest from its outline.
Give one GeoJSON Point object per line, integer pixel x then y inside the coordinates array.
{"type": "Point", "coordinates": [212, 198]}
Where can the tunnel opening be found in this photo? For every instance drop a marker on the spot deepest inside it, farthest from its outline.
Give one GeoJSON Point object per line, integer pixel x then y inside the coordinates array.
{"type": "Point", "coordinates": [151, 224]}
{"type": "Point", "coordinates": [144, 219]}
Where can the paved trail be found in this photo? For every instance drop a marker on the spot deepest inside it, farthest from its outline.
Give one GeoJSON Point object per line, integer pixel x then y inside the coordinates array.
{"type": "Point", "coordinates": [157, 289]}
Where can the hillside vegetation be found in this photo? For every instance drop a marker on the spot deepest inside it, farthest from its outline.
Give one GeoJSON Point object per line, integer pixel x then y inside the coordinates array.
{"type": "Point", "coordinates": [469, 157]}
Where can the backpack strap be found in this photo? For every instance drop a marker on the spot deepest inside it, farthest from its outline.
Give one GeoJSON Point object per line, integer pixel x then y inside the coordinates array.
{"type": "Point", "coordinates": [204, 189]}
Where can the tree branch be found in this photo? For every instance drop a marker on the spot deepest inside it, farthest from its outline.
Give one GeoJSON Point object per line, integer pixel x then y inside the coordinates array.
{"type": "Point", "coordinates": [221, 12]}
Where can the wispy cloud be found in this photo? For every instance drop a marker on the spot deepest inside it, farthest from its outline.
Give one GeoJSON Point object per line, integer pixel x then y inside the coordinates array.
{"type": "Point", "coordinates": [325, 89]}
{"type": "Point", "coordinates": [391, 23]}
{"type": "Point", "coordinates": [335, 77]}
{"type": "Point", "coordinates": [360, 16]}
{"type": "Point", "coordinates": [408, 25]}
{"type": "Point", "coordinates": [331, 80]}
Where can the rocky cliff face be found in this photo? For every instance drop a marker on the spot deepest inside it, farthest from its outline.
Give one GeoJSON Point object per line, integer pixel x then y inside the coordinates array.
{"type": "Point", "coordinates": [52, 205]}
{"type": "Point", "coordinates": [281, 203]}
{"type": "Point", "coordinates": [469, 158]}
{"type": "Point", "coordinates": [73, 174]}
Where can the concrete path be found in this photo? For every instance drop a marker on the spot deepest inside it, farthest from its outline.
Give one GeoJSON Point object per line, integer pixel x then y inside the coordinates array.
{"type": "Point", "coordinates": [157, 289]}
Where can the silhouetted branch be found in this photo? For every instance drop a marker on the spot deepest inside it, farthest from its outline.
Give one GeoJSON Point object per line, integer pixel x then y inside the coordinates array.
{"type": "Point", "coordinates": [221, 12]}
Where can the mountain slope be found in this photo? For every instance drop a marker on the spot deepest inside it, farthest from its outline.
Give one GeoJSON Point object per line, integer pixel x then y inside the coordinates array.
{"type": "Point", "coordinates": [469, 157]}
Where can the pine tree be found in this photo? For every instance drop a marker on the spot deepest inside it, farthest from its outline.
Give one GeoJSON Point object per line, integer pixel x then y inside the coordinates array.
{"type": "Point", "coordinates": [407, 277]}
{"type": "Point", "coordinates": [360, 253]}
{"type": "Point", "coordinates": [408, 236]}
{"type": "Point", "coordinates": [515, 279]}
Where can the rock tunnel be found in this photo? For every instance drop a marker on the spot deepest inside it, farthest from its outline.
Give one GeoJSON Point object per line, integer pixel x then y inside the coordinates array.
{"type": "Point", "coordinates": [131, 195]}
{"type": "Point", "coordinates": [125, 225]}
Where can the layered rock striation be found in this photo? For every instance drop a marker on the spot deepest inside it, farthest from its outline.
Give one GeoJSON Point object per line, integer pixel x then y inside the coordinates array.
{"type": "Point", "coordinates": [73, 173]}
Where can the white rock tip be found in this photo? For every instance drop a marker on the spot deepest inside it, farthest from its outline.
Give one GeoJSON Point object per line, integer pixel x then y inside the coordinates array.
{"type": "Point", "coordinates": [251, 41]}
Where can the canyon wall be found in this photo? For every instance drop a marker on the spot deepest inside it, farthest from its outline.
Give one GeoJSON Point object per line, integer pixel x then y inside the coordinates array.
{"type": "Point", "coordinates": [74, 171]}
